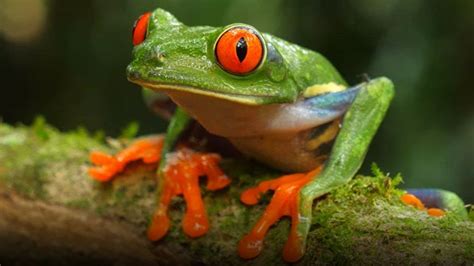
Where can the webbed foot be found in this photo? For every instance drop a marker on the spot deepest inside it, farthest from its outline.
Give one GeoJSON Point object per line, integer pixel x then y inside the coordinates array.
{"type": "Point", "coordinates": [284, 203]}
{"type": "Point", "coordinates": [414, 201]}
{"type": "Point", "coordinates": [180, 176]}
{"type": "Point", "coordinates": [107, 166]}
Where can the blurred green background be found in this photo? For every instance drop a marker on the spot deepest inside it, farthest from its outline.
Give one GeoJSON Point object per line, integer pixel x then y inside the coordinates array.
{"type": "Point", "coordinates": [66, 60]}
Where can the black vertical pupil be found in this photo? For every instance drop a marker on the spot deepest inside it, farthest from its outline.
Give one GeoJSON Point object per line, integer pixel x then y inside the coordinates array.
{"type": "Point", "coordinates": [241, 49]}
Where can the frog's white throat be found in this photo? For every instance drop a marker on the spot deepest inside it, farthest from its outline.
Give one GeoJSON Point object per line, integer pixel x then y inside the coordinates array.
{"type": "Point", "coordinates": [234, 120]}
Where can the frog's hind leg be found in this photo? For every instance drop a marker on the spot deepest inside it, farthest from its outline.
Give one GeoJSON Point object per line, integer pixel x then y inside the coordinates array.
{"type": "Point", "coordinates": [107, 166]}
{"type": "Point", "coordinates": [348, 152]}
{"type": "Point", "coordinates": [284, 203]}
{"type": "Point", "coordinates": [434, 201]}
{"type": "Point", "coordinates": [359, 126]}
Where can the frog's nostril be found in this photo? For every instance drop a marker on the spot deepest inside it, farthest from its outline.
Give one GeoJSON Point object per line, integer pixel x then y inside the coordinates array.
{"type": "Point", "coordinates": [159, 55]}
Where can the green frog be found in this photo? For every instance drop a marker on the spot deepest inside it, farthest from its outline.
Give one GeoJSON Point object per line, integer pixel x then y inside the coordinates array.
{"type": "Point", "coordinates": [271, 100]}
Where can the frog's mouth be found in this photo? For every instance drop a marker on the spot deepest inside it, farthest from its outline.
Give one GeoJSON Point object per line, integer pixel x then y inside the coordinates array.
{"type": "Point", "coordinates": [243, 116]}
{"type": "Point", "coordinates": [232, 97]}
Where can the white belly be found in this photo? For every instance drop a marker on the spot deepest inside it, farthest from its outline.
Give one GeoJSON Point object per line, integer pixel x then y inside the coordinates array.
{"type": "Point", "coordinates": [229, 119]}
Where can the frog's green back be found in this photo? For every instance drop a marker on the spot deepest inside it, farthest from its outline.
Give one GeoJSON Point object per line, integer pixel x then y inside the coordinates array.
{"type": "Point", "coordinates": [307, 67]}
{"type": "Point", "coordinates": [175, 56]}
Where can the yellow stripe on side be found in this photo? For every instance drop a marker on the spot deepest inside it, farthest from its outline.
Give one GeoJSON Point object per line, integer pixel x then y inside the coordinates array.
{"type": "Point", "coordinates": [322, 88]}
{"type": "Point", "coordinates": [326, 136]}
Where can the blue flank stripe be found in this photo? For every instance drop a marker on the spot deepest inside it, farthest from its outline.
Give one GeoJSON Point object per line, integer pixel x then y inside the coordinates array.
{"type": "Point", "coordinates": [332, 104]}
{"type": "Point", "coordinates": [431, 198]}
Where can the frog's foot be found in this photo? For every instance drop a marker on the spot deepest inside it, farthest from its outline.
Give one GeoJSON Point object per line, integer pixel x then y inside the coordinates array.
{"type": "Point", "coordinates": [414, 201]}
{"type": "Point", "coordinates": [283, 203]}
{"type": "Point", "coordinates": [106, 166]}
{"type": "Point", "coordinates": [180, 176]}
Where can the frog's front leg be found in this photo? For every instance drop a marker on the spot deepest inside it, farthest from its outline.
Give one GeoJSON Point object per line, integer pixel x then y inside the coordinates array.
{"type": "Point", "coordinates": [178, 174]}
{"type": "Point", "coordinates": [106, 166]}
{"type": "Point", "coordinates": [294, 194]}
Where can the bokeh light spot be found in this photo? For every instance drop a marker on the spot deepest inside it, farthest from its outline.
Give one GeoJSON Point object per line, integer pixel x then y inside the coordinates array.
{"type": "Point", "coordinates": [22, 21]}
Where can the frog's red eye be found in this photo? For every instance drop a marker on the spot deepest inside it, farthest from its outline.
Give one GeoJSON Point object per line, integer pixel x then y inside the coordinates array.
{"type": "Point", "coordinates": [140, 28]}
{"type": "Point", "coordinates": [239, 50]}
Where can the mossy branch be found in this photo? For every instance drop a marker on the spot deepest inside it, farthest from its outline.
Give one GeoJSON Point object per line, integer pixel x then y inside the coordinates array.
{"type": "Point", "coordinates": [51, 211]}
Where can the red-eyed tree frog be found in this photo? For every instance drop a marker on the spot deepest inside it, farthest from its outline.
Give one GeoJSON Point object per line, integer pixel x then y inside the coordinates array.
{"type": "Point", "coordinates": [274, 101]}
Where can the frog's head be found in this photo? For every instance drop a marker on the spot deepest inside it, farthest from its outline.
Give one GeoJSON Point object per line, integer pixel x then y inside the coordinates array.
{"type": "Point", "coordinates": [236, 63]}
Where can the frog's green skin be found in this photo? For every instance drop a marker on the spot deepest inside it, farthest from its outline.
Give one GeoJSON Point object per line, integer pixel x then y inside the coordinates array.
{"type": "Point", "coordinates": [174, 54]}
{"type": "Point", "coordinates": [179, 61]}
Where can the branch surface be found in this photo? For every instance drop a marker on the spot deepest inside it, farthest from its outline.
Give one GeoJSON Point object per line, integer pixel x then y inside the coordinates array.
{"type": "Point", "coordinates": [51, 212]}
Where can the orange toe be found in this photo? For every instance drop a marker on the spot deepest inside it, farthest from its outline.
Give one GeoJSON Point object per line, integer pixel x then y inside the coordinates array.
{"type": "Point", "coordinates": [181, 177]}
{"type": "Point", "coordinates": [216, 179]}
{"type": "Point", "coordinates": [436, 212]}
{"type": "Point", "coordinates": [250, 196]}
{"type": "Point", "coordinates": [104, 173]}
{"type": "Point", "coordinates": [250, 246]}
{"type": "Point", "coordinates": [195, 224]}
{"type": "Point", "coordinates": [412, 200]}
{"type": "Point", "coordinates": [293, 250]}
{"type": "Point", "coordinates": [158, 226]}
{"type": "Point", "coordinates": [141, 149]}
{"type": "Point", "coordinates": [100, 158]}
{"type": "Point", "coordinates": [107, 166]}
{"type": "Point", "coordinates": [283, 203]}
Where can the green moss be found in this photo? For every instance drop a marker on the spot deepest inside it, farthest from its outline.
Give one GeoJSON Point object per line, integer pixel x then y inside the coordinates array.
{"type": "Point", "coordinates": [78, 204]}
{"type": "Point", "coordinates": [471, 213]}
{"type": "Point", "coordinates": [361, 222]}
{"type": "Point", "coordinates": [470, 249]}
{"type": "Point", "coordinates": [40, 128]}
{"type": "Point", "coordinates": [130, 131]}
{"type": "Point", "coordinates": [39, 161]}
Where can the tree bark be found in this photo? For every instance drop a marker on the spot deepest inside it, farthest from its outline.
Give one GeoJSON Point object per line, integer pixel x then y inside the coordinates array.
{"type": "Point", "coordinates": [51, 212]}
